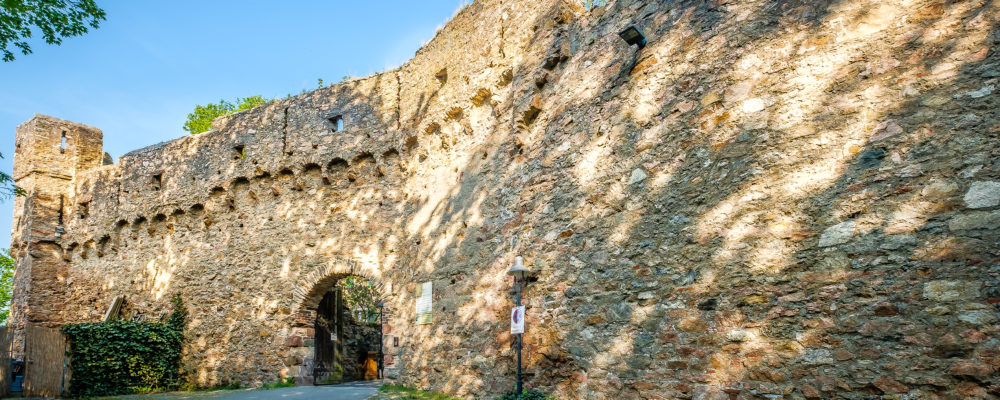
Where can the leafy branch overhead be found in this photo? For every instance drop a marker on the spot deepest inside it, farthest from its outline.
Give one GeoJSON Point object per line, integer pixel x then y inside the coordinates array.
{"type": "Point", "coordinates": [8, 188]}
{"type": "Point", "coordinates": [56, 19]}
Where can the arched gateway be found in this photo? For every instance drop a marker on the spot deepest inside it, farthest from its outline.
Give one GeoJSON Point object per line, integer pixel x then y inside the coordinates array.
{"type": "Point", "coordinates": [337, 338]}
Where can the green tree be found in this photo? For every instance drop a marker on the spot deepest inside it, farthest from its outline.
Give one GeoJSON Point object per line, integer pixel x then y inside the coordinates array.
{"type": "Point", "coordinates": [56, 19]}
{"type": "Point", "coordinates": [6, 284]}
{"type": "Point", "coordinates": [200, 120]}
{"type": "Point", "coordinates": [362, 297]}
{"type": "Point", "coordinates": [7, 187]}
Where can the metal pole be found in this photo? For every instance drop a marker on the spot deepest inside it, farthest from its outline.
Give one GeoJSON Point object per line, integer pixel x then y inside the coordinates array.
{"type": "Point", "coordinates": [381, 338]}
{"type": "Point", "coordinates": [518, 303]}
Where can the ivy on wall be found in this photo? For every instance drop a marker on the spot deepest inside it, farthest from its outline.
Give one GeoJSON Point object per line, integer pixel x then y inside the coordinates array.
{"type": "Point", "coordinates": [120, 357]}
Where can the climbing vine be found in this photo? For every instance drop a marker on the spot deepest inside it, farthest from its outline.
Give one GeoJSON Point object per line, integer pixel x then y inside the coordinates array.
{"type": "Point", "coordinates": [120, 357]}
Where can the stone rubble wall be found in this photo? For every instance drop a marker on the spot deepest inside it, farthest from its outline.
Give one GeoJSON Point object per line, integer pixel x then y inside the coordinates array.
{"type": "Point", "coordinates": [359, 339]}
{"type": "Point", "coordinates": [770, 200]}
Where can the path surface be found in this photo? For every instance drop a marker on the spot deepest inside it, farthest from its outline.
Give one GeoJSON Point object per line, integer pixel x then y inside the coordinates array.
{"type": "Point", "coordinates": [346, 391]}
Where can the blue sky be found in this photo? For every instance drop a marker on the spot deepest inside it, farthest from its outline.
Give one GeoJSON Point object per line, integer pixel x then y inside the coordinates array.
{"type": "Point", "coordinates": [139, 75]}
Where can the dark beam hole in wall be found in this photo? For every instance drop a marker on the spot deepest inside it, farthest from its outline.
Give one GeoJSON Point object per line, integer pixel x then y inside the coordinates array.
{"type": "Point", "coordinates": [157, 181]}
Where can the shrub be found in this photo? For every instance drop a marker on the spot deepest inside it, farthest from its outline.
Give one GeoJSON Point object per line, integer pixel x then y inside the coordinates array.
{"type": "Point", "coordinates": [406, 393]}
{"type": "Point", "coordinates": [200, 120]}
{"type": "Point", "coordinates": [526, 395]}
{"type": "Point", "coordinates": [120, 357]}
{"type": "Point", "coordinates": [281, 383]}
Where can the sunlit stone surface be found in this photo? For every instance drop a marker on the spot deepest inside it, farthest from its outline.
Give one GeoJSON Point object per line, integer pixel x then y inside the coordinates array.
{"type": "Point", "coordinates": [770, 200]}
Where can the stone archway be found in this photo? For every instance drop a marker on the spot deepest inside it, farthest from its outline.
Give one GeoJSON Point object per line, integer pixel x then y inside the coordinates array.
{"type": "Point", "coordinates": [314, 299]}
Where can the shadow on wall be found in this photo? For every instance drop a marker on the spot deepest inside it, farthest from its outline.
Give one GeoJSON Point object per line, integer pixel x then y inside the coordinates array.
{"type": "Point", "coordinates": [770, 202]}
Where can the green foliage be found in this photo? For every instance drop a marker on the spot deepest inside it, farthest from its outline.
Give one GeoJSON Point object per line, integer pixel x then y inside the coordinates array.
{"type": "Point", "coordinates": [247, 103]}
{"type": "Point", "coordinates": [336, 376]}
{"type": "Point", "coordinates": [281, 383]}
{"type": "Point", "coordinates": [221, 386]}
{"type": "Point", "coordinates": [526, 395]}
{"type": "Point", "coordinates": [6, 284]}
{"type": "Point", "coordinates": [361, 296]}
{"type": "Point", "coordinates": [56, 19]}
{"type": "Point", "coordinates": [200, 120]}
{"type": "Point", "coordinates": [178, 317]}
{"type": "Point", "coordinates": [120, 357]}
{"type": "Point", "coordinates": [7, 186]}
{"type": "Point", "coordinates": [414, 394]}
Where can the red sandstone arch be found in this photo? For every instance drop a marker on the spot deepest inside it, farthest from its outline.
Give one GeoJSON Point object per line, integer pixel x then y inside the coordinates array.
{"type": "Point", "coordinates": [317, 281]}
{"type": "Point", "coordinates": [306, 297]}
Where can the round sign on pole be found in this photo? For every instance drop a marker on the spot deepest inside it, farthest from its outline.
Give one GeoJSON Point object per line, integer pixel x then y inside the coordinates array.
{"type": "Point", "coordinates": [517, 320]}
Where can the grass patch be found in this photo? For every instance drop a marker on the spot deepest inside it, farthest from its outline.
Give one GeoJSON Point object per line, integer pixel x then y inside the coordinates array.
{"type": "Point", "coordinates": [281, 383]}
{"type": "Point", "coordinates": [222, 386]}
{"type": "Point", "coordinates": [414, 394]}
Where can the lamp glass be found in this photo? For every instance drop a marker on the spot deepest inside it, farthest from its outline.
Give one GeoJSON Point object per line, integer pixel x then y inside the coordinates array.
{"type": "Point", "coordinates": [518, 269]}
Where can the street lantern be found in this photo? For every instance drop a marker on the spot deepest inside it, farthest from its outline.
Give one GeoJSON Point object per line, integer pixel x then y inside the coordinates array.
{"type": "Point", "coordinates": [518, 271]}
{"type": "Point", "coordinates": [633, 35]}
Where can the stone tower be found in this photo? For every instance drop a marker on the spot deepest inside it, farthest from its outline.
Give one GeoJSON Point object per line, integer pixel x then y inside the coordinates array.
{"type": "Point", "coordinates": [49, 152]}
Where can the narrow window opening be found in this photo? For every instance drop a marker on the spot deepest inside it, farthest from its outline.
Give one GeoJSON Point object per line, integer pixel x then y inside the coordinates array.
{"type": "Point", "coordinates": [62, 205]}
{"type": "Point", "coordinates": [336, 123]}
{"type": "Point", "coordinates": [62, 143]}
{"type": "Point", "coordinates": [157, 181]}
{"type": "Point", "coordinates": [239, 152]}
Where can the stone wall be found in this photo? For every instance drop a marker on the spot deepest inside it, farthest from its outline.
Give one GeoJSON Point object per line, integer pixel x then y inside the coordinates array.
{"type": "Point", "coordinates": [771, 199]}
{"type": "Point", "coordinates": [359, 339]}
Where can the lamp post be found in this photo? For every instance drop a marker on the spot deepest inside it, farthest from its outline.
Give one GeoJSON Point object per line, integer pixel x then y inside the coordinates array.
{"type": "Point", "coordinates": [381, 337]}
{"type": "Point", "coordinates": [518, 271]}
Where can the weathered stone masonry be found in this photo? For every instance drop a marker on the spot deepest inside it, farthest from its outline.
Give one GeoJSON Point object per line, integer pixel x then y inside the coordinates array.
{"type": "Point", "coordinates": [771, 199]}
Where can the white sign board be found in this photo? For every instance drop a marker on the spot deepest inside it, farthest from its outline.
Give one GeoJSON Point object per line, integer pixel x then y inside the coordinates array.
{"type": "Point", "coordinates": [517, 320]}
{"type": "Point", "coordinates": [424, 303]}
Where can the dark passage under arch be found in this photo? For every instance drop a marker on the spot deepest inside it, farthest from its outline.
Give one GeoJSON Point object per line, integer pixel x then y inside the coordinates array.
{"type": "Point", "coordinates": [347, 332]}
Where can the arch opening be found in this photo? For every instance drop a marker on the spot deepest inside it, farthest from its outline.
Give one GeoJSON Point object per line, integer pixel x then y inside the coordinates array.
{"type": "Point", "coordinates": [345, 341]}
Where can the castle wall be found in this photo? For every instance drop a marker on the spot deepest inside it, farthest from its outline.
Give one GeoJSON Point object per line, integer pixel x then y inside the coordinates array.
{"type": "Point", "coordinates": [770, 199]}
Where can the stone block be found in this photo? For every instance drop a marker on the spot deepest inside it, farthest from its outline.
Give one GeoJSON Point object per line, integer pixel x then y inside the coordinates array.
{"type": "Point", "coordinates": [951, 291]}
{"type": "Point", "coordinates": [979, 317]}
{"type": "Point", "coordinates": [939, 189]}
{"type": "Point", "coordinates": [293, 341]}
{"type": "Point", "coordinates": [983, 194]}
{"type": "Point", "coordinates": [975, 220]}
{"type": "Point", "coordinates": [837, 234]}
{"type": "Point", "coordinates": [970, 369]}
